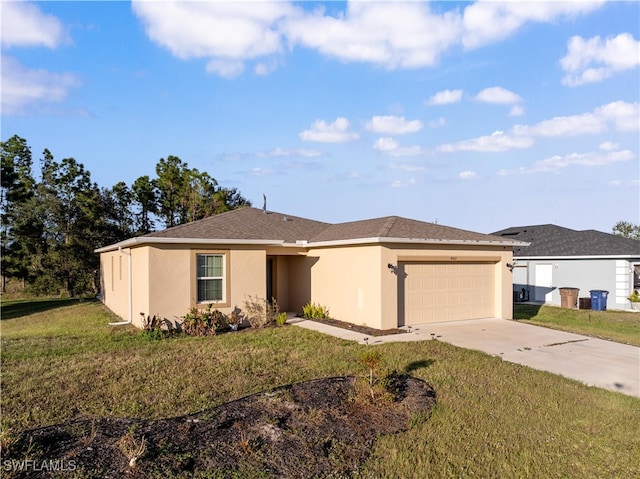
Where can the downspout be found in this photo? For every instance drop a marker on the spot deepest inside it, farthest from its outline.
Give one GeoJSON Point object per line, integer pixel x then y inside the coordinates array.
{"type": "Point", "coordinates": [128, 321]}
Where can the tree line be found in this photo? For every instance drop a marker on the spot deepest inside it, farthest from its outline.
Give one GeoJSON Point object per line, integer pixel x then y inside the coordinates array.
{"type": "Point", "coordinates": [626, 230]}
{"type": "Point", "coordinates": [52, 224]}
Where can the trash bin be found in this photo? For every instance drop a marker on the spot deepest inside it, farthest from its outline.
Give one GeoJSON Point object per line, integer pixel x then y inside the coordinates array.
{"type": "Point", "coordinates": [569, 297]}
{"type": "Point", "coordinates": [584, 303]}
{"type": "Point", "coordinates": [520, 296]}
{"type": "Point", "coordinates": [599, 299]}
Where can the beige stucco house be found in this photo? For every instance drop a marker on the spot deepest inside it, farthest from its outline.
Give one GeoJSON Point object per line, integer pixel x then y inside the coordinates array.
{"type": "Point", "coordinates": [383, 272]}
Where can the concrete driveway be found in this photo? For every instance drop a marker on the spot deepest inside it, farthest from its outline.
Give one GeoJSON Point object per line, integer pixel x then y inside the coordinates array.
{"type": "Point", "coordinates": [596, 362]}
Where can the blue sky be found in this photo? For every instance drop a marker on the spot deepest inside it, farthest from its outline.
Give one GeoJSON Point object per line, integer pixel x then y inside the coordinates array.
{"type": "Point", "coordinates": [478, 115]}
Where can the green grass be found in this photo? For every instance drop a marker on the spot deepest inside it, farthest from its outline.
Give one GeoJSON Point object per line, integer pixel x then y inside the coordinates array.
{"type": "Point", "coordinates": [619, 326]}
{"type": "Point", "coordinates": [493, 418]}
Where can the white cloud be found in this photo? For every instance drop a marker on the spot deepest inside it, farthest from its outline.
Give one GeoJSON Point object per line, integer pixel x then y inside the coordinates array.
{"type": "Point", "coordinates": [622, 116]}
{"type": "Point", "coordinates": [283, 153]}
{"type": "Point", "coordinates": [224, 67]}
{"type": "Point", "coordinates": [489, 22]}
{"type": "Point", "coordinates": [323, 132]}
{"type": "Point", "coordinates": [559, 162]}
{"type": "Point", "coordinates": [386, 145]}
{"type": "Point", "coordinates": [24, 25]}
{"type": "Point", "coordinates": [468, 175]}
{"type": "Point", "coordinates": [628, 183]}
{"type": "Point", "coordinates": [594, 60]}
{"type": "Point", "coordinates": [414, 150]}
{"type": "Point", "coordinates": [516, 110]}
{"type": "Point", "coordinates": [625, 116]}
{"type": "Point", "coordinates": [407, 167]}
{"type": "Point", "coordinates": [388, 34]}
{"type": "Point", "coordinates": [572, 125]}
{"type": "Point", "coordinates": [445, 97]}
{"type": "Point", "coordinates": [391, 147]}
{"type": "Point", "coordinates": [23, 87]}
{"type": "Point", "coordinates": [261, 171]}
{"type": "Point", "coordinates": [498, 95]}
{"type": "Point", "coordinates": [265, 68]}
{"type": "Point", "coordinates": [394, 125]}
{"type": "Point", "coordinates": [608, 146]}
{"type": "Point", "coordinates": [497, 141]}
{"type": "Point", "coordinates": [393, 35]}
{"type": "Point", "coordinates": [403, 184]}
{"type": "Point", "coordinates": [226, 33]}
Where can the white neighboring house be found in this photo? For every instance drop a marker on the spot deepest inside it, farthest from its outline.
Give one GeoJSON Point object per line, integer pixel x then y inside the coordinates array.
{"type": "Point", "coordinates": [561, 257]}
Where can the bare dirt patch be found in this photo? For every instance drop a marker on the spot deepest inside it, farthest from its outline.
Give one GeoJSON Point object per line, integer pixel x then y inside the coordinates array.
{"type": "Point", "coordinates": [321, 428]}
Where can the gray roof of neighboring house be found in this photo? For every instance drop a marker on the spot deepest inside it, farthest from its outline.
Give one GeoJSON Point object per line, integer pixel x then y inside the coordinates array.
{"type": "Point", "coordinates": [552, 241]}
{"type": "Point", "coordinates": [255, 225]}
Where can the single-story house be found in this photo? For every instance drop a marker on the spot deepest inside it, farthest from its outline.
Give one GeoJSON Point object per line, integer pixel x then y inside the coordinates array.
{"type": "Point", "coordinates": [559, 257]}
{"type": "Point", "coordinates": [383, 272]}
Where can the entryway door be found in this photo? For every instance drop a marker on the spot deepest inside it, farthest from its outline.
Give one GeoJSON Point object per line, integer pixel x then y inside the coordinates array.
{"type": "Point", "coordinates": [271, 273]}
{"type": "Point", "coordinates": [437, 292]}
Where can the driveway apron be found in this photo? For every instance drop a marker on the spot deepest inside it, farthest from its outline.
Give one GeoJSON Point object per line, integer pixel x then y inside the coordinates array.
{"type": "Point", "coordinates": [596, 362]}
{"type": "Point", "coordinates": [593, 361]}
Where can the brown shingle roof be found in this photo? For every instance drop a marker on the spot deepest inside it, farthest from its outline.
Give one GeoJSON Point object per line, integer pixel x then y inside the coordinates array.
{"type": "Point", "coordinates": [254, 224]}
{"type": "Point", "coordinates": [246, 224]}
{"type": "Point", "coordinates": [397, 227]}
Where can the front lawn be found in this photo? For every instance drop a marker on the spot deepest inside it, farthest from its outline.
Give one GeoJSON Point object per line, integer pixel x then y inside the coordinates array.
{"type": "Point", "coordinates": [619, 326]}
{"type": "Point", "coordinates": [492, 418]}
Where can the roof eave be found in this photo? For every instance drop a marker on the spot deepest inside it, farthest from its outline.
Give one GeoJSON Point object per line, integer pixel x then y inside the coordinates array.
{"type": "Point", "coordinates": [380, 240]}
{"type": "Point", "coordinates": [141, 241]}
{"type": "Point", "coordinates": [593, 256]}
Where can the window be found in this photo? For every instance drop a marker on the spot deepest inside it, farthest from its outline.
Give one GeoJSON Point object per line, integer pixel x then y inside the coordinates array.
{"type": "Point", "coordinates": [210, 278]}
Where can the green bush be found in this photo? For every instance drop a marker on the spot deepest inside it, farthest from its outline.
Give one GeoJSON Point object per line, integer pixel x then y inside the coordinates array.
{"type": "Point", "coordinates": [152, 327]}
{"type": "Point", "coordinates": [203, 322]}
{"type": "Point", "coordinates": [315, 311]}
{"type": "Point", "coordinates": [281, 319]}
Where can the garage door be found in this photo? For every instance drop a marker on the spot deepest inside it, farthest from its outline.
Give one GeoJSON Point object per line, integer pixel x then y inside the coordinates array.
{"type": "Point", "coordinates": [435, 292]}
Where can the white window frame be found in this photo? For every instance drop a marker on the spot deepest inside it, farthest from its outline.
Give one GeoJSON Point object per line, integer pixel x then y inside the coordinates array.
{"type": "Point", "coordinates": [221, 278]}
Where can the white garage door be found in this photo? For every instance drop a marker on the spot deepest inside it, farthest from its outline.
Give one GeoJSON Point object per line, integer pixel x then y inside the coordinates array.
{"type": "Point", "coordinates": [435, 292]}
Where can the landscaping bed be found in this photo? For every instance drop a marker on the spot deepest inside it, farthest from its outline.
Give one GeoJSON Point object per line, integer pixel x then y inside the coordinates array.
{"type": "Point", "coordinates": [315, 428]}
{"type": "Point", "coordinates": [358, 327]}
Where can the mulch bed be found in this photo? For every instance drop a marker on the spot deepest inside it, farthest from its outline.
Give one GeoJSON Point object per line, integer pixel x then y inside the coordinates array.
{"type": "Point", "coordinates": [359, 328]}
{"type": "Point", "coordinates": [317, 428]}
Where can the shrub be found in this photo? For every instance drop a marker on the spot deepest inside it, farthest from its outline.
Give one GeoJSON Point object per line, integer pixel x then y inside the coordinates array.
{"type": "Point", "coordinates": [234, 320]}
{"type": "Point", "coordinates": [132, 448]}
{"type": "Point", "coordinates": [315, 311]}
{"type": "Point", "coordinates": [281, 319]}
{"type": "Point", "coordinates": [203, 322]}
{"type": "Point", "coordinates": [371, 359]}
{"type": "Point", "coordinates": [152, 327]}
{"type": "Point", "coordinates": [378, 389]}
{"type": "Point", "coordinates": [260, 312]}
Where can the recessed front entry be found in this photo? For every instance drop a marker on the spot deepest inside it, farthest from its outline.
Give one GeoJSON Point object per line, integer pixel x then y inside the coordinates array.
{"type": "Point", "coordinates": [271, 271]}
{"type": "Point", "coordinates": [435, 292]}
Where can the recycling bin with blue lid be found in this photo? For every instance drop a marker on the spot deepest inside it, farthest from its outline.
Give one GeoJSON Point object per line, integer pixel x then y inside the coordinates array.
{"type": "Point", "coordinates": [599, 299]}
